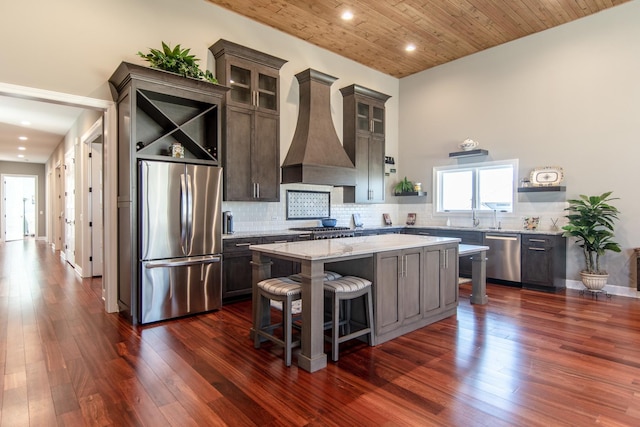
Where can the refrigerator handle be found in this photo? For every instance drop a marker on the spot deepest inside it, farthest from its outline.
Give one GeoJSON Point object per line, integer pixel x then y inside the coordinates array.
{"type": "Point", "coordinates": [189, 213]}
{"type": "Point", "coordinates": [183, 213]}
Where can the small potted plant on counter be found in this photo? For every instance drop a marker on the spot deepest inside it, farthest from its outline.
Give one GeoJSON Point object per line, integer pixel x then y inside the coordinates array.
{"type": "Point", "coordinates": [591, 222]}
{"type": "Point", "coordinates": [177, 60]}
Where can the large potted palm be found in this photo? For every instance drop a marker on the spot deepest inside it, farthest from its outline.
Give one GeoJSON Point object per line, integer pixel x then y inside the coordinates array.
{"type": "Point", "coordinates": [591, 222]}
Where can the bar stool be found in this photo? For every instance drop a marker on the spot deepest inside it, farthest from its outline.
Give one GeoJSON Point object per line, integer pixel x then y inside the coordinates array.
{"type": "Point", "coordinates": [345, 289]}
{"type": "Point", "coordinates": [286, 291]}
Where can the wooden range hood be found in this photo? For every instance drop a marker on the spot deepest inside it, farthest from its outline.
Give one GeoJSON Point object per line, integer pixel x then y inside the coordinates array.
{"type": "Point", "coordinates": [316, 155]}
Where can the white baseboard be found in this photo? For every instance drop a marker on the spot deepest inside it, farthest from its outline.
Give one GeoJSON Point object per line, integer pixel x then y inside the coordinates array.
{"type": "Point", "coordinates": [612, 289]}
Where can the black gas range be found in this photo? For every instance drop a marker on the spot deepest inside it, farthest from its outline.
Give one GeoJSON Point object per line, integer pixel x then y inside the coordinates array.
{"type": "Point", "coordinates": [326, 232]}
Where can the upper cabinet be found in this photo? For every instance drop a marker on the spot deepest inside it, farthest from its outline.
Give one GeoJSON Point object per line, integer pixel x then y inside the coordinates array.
{"type": "Point", "coordinates": [364, 142]}
{"type": "Point", "coordinates": [251, 122]}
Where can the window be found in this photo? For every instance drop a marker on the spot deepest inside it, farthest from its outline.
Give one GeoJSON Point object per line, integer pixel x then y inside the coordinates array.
{"type": "Point", "coordinates": [481, 186]}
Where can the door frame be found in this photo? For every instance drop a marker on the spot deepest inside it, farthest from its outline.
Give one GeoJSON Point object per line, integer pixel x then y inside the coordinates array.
{"type": "Point", "coordinates": [87, 196]}
{"type": "Point", "coordinates": [110, 173]}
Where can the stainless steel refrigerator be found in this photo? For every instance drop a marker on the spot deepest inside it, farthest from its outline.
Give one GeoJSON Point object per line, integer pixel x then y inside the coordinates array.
{"type": "Point", "coordinates": [180, 239]}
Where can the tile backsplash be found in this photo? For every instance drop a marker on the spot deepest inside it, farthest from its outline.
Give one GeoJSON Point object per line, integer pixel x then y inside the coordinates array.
{"type": "Point", "coordinates": [272, 216]}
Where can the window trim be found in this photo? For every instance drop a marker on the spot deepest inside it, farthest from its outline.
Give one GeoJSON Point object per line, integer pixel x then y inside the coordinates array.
{"type": "Point", "coordinates": [475, 167]}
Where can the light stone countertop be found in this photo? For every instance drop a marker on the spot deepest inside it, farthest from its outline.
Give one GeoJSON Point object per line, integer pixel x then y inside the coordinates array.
{"type": "Point", "coordinates": [349, 246]}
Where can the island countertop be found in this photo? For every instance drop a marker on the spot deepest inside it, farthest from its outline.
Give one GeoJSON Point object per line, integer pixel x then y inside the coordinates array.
{"type": "Point", "coordinates": [349, 246]}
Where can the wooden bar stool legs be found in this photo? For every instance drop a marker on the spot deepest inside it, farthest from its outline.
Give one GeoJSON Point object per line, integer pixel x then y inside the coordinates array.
{"type": "Point", "coordinates": [286, 291]}
{"type": "Point", "coordinates": [346, 289]}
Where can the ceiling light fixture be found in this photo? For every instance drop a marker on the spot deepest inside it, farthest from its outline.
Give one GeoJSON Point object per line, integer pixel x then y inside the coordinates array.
{"type": "Point", "coordinates": [347, 15]}
{"type": "Point", "coordinates": [22, 138]}
{"type": "Point", "coordinates": [21, 148]}
{"type": "Point", "coordinates": [21, 155]}
{"type": "Point", "coordinates": [410, 47]}
{"type": "Point", "coordinates": [25, 123]}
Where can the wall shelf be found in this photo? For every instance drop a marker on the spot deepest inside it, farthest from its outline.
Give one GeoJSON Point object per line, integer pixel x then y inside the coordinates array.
{"type": "Point", "coordinates": [470, 153]}
{"type": "Point", "coordinates": [542, 189]}
{"type": "Point", "coordinates": [411, 193]}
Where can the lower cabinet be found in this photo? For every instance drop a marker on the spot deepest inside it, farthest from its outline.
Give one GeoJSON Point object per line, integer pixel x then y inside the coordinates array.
{"type": "Point", "coordinates": [413, 288]}
{"type": "Point", "coordinates": [399, 293]}
{"type": "Point", "coordinates": [543, 262]}
{"type": "Point", "coordinates": [236, 267]}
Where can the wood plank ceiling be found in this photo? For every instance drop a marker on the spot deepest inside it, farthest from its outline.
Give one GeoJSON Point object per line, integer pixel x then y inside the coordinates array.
{"type": "Point", "coordinates": [441, 30]}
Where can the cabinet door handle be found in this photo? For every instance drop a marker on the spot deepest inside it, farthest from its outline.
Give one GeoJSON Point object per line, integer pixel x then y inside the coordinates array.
{"type": "Point", "coordinates": [243, 244]}
{"type": "Point", "coordinates": [538, 240]}
{"type": "Point", "coordinates": [424, 233]}
{"type": "Point", "coordinates": [258, 187]}
{"type": "Point", "coordinates": [536, 249]}
{"type": "Point", "coordinates": [281, 241]}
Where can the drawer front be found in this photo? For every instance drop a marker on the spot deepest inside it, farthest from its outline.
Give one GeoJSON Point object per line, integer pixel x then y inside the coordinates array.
{"type": "Point", "coordinates": [538, 241]}
{"type": "Point", "coordinates": [280, 239]}
{"type": "Point", "coordinates": [240, 244]}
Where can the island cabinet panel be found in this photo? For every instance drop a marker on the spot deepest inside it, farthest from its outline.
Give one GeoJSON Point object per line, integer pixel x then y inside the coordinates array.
{"type": "Point", "coordinates": [388, 306]}
{"type": "Point", "coordinates": [399, 289]}
{"type": "Point", "coordinates": [413, 288]}
{"type": "Point", "coordinates": [449, 276]}
{"type": "Point", "coordinates": [432, 298]}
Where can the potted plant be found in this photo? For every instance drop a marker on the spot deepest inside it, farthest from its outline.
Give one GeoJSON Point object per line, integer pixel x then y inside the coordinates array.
{"type": "Point", "coordinates": [404, 186]}
{"type": "Point", "coordinates": [177, 60]}
{"type": "Point", "coordinates": [591, 223]}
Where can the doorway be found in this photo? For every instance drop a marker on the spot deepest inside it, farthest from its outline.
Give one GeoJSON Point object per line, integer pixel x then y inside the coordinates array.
{"type": "Point", "coordinates": [70, 207]}
{"type": "Point", "coordinates": [20, 206]}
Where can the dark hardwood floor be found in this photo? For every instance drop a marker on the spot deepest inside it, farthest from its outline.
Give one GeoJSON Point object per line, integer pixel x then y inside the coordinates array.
{"type": "Point", "coordinates": [525, 359]}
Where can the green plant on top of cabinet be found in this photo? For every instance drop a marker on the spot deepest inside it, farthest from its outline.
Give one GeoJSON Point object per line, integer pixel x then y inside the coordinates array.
{"type": "Point", "coordinates": [364, 142]}
{"type": "Point", "coordinates": [251, 117]}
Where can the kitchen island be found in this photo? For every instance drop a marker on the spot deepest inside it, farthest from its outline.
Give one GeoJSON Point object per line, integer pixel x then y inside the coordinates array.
{"type": "Point", "coordinates": [415, 282]}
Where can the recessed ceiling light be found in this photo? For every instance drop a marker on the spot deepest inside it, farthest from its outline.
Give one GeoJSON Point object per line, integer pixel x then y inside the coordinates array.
{"type": "Point", "coordinates": [21, 155]}
{"type": "Point", "coordinates": [347, 15]}
{"type": "Point", "coordinates": [410, 47]}
{"type": "Point", "coordinates": [25, 122]}
{"type": "Point", "coordinates": [22, 138]}
{"type": "Point", "coordinates": [21, 148]}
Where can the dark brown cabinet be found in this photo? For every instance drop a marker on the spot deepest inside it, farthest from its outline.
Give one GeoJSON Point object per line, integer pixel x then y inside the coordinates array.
{"type": "Point", "coordinates": [543, 262]}
{"type": "Point", "coordinates": [236, 255]}
{"type": "Point", "coordinates": [251, 117]}
{"type": "Point", "coordinates": [236, 267]}
{"type": "Point", "coordinates": [155, 110]}
{"type": "Point", "coordinates": [364, 142]}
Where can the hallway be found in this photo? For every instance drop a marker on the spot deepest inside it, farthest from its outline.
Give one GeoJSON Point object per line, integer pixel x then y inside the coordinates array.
{"type": "Point", "coordinates": [527, 358]}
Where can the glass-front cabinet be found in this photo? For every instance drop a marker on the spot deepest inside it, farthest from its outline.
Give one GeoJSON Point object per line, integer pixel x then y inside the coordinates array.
{"type": "Point", "coordinates": [251, 122]}
{"type": "Point", "coordinates": [364, 142]}
{"type": "Point", "coordinates": [252, 85]}
{"type": "Point", "coordinates": [370, 118]}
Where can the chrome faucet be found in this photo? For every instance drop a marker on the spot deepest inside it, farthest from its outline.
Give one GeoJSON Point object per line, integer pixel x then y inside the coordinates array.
{"type": "Point", "coordinates": [474, 219]}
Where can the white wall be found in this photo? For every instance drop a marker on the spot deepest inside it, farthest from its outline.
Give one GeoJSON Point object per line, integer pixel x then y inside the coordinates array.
{"type": "Point", "coordinates": [569, 96]}
{"type": "Point", "coordinates": [74, 46]}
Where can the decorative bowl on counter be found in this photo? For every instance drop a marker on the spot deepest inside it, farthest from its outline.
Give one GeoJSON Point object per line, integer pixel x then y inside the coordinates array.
{"type": "Point", "coordinates": [329, 222]}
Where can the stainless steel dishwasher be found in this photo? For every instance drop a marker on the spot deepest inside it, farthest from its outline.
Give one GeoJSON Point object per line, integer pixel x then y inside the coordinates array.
{"type": "Point", "coordinates": [503, 256]}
